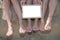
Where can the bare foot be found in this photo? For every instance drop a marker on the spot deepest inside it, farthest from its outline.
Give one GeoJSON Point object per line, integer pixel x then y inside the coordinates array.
{"type": "Point", "coordinates": [35, 27]}
{"type": "Point", "coordinates": [42, 25]}
{"type": "Point", "coordinates": [48, 24]}
{"type": "Point", "coordinates": [47, 27]}
{"type": "Point", "coordinates": [22, 30]}
{"type": "Point", "coordinates": [9, 32]}
{"type": "Point", "coordinates": [29, 29]}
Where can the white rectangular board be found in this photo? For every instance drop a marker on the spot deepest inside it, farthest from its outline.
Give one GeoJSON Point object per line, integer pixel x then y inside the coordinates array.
{"type": "Point", "coordinates": [31, 11]}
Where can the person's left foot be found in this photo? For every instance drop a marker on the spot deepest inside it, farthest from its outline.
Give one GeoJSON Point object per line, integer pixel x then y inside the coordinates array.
{"type": "Point", "coordinates": [47, 27]}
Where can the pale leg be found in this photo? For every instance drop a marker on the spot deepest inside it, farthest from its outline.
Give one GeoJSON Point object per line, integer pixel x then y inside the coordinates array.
{"type": "Point", "coordinates": [6, 10]}
{"type": "Point", "coordinates": [52, 7]}
{"type": "Point", "coordinates": [19, 14]}
{"type": "Point", "coordinates": [44, 7]}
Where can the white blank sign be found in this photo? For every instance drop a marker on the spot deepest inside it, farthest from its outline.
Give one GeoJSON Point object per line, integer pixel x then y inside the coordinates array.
{"type": "Point", "coordinates": [31, 11]}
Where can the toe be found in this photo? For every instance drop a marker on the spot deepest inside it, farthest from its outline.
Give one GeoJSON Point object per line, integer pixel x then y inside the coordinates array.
{"type": "Point", "coordinates": [22, 30]}
{"type": "Point", "coordinates": [48, 28]}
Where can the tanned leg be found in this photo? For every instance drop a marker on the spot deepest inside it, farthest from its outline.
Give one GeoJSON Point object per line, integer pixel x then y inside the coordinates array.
{"type": "Point", "coordinates": [52, 6]}
{"type": "Point", "coordinates": [19, 14]}
{"type": "Point", "coordinates": [6, 10]}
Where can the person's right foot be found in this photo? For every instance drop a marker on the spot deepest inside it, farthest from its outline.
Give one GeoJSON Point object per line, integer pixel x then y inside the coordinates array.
{"type": "Point", "coordinates": [42, 25]}
{"type": "Point", "coordinates": [29, 29]}
{"type": "Point", "coordinates": [10, 30]}
{"type": "Point", "coordinates": [22, 30]}
{"type": "Point", "coordinates": [35, 27]}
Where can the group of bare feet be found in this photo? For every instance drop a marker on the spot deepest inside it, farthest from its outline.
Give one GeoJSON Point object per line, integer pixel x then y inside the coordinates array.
{"type": "Point", "coordinates": [17, 7]}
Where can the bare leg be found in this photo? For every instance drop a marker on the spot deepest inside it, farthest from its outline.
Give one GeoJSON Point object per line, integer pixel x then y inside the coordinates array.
{"type": "Point", "coordinates": [19, 14]}
{"type": "Point", "coordinates": [44, 7]}
{"type": "Point", "coordinates": [52, 6]}
{"type": "Point", "coordinates": [29, 28]}
{"type": "Point", "coordinates": [35, 25]}
{"type": "Point", "coordinates": [6, 10]}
